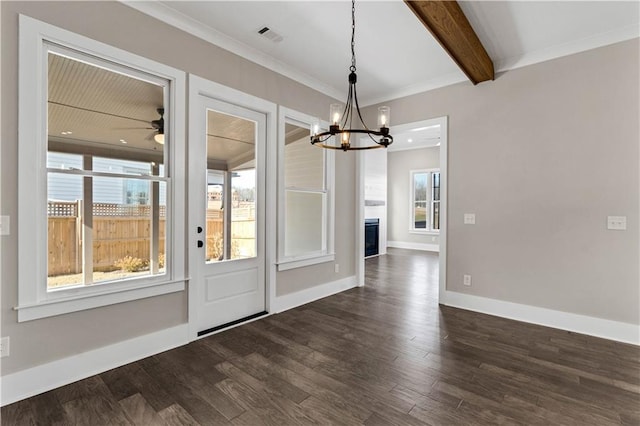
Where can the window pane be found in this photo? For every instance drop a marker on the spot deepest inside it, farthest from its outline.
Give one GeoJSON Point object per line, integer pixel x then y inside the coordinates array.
{"type": "Point", "coordinates": [304, 222]}
{"type": "Point", "coordinates": [420, 215]}
{"type": "Point", "coordinates": [119, 166]}
{"type": "Point", "coordinates": [124, 241]}
{"type": "Point", "coordinates": [243, 214]}
{"type": "Point", "coordinates": [64, 259]}
{"type": "Point", "coordinates": [420, 186]}
{"type": "Point", "coordinates": [435, 221]}
{"type": "Point", "coordinates": [436, 186]}
{"type": "Point", "coordinates": [303, 163]}
{"type": "Point", "coordinates": [92, 110]}
{"type": "Point", "coordinates": [231, 187]}
{"type": "Point", "coordinates": [63, 161]}
{"type": "Point", "coordinates": [127, 241]}
{"type": "Point", "coordinates": [215, 215]}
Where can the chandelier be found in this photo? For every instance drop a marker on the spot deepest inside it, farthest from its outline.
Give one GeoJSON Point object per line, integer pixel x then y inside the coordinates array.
{"type": "Point", "coordinates": [341, 117]}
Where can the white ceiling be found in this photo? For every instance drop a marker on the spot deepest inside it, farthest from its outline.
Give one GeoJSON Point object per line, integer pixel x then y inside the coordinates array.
{"type": "Point", "coordinates": [396, 56]}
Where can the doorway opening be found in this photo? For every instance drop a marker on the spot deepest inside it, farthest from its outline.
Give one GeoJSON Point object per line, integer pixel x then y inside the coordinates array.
{"type": "Point", "coordinates": [403, 189]}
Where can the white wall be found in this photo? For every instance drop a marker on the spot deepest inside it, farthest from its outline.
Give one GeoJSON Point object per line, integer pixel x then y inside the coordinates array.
{"type": "Point", "coordinates": [375, 192]}
{"type": "Point", "coordinates": [399, 188]}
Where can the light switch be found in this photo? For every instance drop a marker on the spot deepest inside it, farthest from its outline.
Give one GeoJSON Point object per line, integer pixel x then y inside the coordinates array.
{"type": "Point", "coordinates": [618, 223]}
{"type": "Point", "coordinates": [4, 225]}
{"type": "Point", "coordinates": [469, 219]}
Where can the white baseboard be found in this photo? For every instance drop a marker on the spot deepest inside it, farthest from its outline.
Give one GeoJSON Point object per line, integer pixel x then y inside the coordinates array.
{"type": "Point", "coordinates": [33, 381]}
{"type": "Point", "coordinates": [414, 246]}
{"type": "Point", "coordinates": [606, 329]}
{"type": "Point", "coordinates": [302, 297]}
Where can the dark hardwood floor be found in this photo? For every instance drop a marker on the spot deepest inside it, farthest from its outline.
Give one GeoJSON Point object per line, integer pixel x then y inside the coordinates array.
{"type": "Point", "coordinates": [385, 354]}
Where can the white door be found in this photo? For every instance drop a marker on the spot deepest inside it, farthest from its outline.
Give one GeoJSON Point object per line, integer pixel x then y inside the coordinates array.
{"type": "Point", "coordinates": [227, 213]}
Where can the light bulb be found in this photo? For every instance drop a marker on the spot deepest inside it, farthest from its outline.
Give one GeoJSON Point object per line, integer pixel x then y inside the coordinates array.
{"type": "Point", "coordinates": [159, 138]}
{"type": "Point", "coordinates": [384, 115]}
{"type": "Point", "coordinates": [315, 127]}
{"type": "Point", "coordinates": [335, 112]}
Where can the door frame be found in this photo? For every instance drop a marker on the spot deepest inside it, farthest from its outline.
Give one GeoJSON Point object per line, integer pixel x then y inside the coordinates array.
{"type": "Point", "coordinates": [199, 86]}
{"type": "Point", "coordinates": [359, 225]}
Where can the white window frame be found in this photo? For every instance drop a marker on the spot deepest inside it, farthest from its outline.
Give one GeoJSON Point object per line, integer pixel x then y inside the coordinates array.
{"type": "Point", "coordinates": [428, 230]}
{"type": "Point", "coordinates": [286, 115]}
{"type": "Point", "coordinates": [34, 300]}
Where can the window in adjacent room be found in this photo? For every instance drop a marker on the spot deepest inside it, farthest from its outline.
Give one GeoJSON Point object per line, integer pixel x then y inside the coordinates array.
{"type": "Point", "coordinates": [425, 200]}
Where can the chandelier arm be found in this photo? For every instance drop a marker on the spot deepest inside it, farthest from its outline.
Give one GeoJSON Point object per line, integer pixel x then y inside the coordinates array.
{"type": "Point", "coordinates": [355, 95]}
{"type": "Point", "coordinates": [347, 108]}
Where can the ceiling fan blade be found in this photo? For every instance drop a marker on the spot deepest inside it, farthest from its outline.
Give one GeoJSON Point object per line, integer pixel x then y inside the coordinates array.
{"type": "Point", "coordinates": [132, 128]}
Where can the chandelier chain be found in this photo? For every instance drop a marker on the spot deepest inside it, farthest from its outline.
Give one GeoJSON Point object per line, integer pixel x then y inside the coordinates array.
{"type": "Point", "coordinates": [353, 36]}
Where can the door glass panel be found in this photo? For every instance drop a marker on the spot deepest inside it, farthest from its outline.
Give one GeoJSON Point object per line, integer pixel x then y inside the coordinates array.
{"type": "Point", "coordinates": [231, 188]}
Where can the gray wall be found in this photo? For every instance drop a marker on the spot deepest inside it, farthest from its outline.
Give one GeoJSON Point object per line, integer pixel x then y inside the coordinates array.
{"type": "Point", "coordinates": [40, 341]}
{"type": "Point", "coordinates": [400, 163]}
{"type": "Point", "coordinates": [542, 155]}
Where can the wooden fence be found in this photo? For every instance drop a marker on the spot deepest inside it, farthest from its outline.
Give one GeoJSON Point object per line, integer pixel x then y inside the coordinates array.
{"type": "Point", "coordinates": [120, 231]}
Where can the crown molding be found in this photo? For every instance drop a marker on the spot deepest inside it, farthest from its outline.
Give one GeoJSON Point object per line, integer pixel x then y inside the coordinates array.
{"type": "Point", "coordinates": [170, 16]}
{"type": "Point", "coordinates": [592, 42]}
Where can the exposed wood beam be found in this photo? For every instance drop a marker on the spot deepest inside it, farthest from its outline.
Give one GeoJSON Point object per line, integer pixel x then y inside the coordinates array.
{"type": "Point", "coordinates": [448, 24]}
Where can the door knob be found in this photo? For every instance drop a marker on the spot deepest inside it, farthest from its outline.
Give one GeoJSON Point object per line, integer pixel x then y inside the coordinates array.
{"type": "Point", "coordinates": [199, 229]}
{"type": "Point", "coordinates": [200, 243]}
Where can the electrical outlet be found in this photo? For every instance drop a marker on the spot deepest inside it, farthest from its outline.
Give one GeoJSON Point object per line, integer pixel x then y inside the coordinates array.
{"type": "Point", "coordinates": [336, 267]}
{"type": "Point", "coordinates": [4, 347]}
{"type": "Point", "coordinates": [467, 280]}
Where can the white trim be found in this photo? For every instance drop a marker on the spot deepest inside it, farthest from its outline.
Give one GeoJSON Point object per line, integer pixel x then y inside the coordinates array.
{"type": "Point", "coordinates": [593, 42]}
{"type": "Point", "coordinates": [36, 39]}
{"type": "Point", "coordinates": [299, 263]}
{"type": "Point", "coordinates": [414, 246]}
{"type": "Point", "coordinates": [170, 16]}
{"type": "Point", "coordinates": [302, 297]}
{"type": "Point", "coordinates": [418, 232]}
{"type": "Point", "coordinates": [33, 381]}
{"type": "Point", "coordinates": [444, 182]}
{"type": "Point", "coordinates": [598, 327]}
{"type": "Point", "coordinates": [359, 225]}
{"type": "Point", "coordinates": [54, 307]}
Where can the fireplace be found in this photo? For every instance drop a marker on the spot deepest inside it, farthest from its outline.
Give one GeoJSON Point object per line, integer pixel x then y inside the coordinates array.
{"type": "Point", "coordinates": [371, 237]}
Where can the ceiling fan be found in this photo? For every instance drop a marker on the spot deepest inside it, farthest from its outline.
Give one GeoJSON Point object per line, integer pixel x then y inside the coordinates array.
{"type": "Point", "coordinates": [158, 126]}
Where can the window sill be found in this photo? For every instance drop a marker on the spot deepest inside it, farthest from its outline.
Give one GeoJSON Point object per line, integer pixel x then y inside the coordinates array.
{"type": "Point", "coordinates": [415, 231]}
{"type": "Point", "coordinates": [307, 261]}
{"type": "Point", "coordinates": [52, 307]}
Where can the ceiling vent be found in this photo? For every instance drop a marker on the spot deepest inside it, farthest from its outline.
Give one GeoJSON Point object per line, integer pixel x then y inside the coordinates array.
{"type": "Point", "coordinates": [270, 34]}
